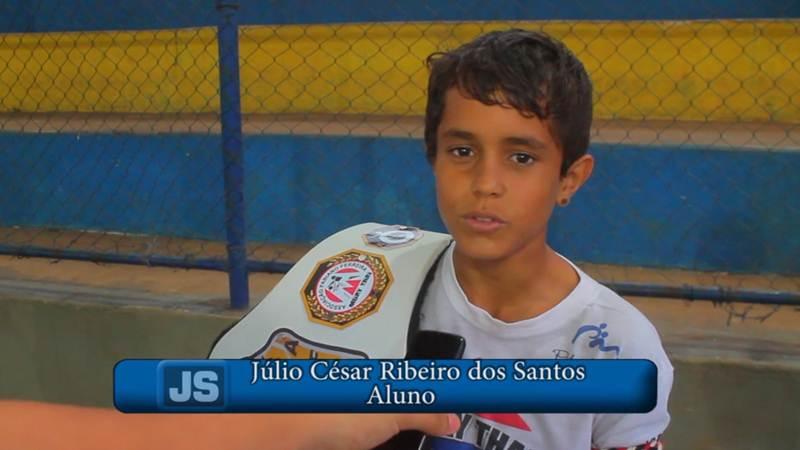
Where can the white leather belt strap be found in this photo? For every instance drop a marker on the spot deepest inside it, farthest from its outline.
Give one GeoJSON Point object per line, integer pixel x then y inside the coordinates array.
{"type": "Point", "coordinates": [351, 296]}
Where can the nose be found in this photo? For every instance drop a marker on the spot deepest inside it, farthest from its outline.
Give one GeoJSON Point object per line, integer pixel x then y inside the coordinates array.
{"type": "Point", "coordinates": [487, 178]}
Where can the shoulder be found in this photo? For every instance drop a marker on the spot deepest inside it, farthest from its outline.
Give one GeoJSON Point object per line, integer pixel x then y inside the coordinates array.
{"type": "Point", "coordinates": [606, 315]}
{"type": "Point", "coordinates": [621, 311]}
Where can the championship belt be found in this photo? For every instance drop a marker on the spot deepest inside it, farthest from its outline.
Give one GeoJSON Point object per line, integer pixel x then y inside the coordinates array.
{"type": "Point", "coordinates": [354, 295]}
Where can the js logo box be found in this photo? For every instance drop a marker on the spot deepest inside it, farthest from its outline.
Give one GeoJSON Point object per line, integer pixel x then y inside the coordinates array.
{"type": "Point", "coordinates": [191, 386]}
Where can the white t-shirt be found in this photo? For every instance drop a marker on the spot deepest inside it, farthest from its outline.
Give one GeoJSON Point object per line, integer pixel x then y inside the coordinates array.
{"type": "Point", "coordinates": [591, 322]}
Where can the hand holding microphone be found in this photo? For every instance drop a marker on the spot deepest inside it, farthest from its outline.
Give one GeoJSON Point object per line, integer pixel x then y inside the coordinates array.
{"type": "Point", "coordinates": [428, 344]}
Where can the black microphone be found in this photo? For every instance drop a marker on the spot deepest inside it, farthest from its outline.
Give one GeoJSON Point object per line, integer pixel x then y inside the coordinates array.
{"type": "Point", "coordinates": [425, 344]}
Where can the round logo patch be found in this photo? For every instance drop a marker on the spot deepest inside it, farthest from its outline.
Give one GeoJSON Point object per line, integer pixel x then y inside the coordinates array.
{"type": "Point", "coordinates": [346, 288]}
{"type": "Point", "coordinates": [345, 285]}
{"type": "Point", "coordinates": [392, 236]}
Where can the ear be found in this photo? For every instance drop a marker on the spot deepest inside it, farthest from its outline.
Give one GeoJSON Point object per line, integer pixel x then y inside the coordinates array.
{"type": "Point", "coordinates": [576, 175]}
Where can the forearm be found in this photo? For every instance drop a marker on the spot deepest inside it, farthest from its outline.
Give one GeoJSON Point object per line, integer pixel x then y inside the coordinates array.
{"type": "Point", "coordinates": [33, 425]}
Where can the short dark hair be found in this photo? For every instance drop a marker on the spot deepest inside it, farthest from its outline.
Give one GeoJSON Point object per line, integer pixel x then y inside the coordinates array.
{"type": "Point", "coordinates": [527, 70]}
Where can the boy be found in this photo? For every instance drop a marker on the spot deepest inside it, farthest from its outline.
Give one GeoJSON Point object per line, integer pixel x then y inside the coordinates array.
{"type": "Point", "coordinates": [506, 131]}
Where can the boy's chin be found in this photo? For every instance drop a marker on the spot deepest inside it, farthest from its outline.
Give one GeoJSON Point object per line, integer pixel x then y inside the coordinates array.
{"type": "Point", "coordinates": [482, 250]}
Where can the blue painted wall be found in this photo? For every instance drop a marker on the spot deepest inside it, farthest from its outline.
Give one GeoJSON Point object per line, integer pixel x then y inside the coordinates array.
{"type": "Point", "coordinates": [695, 208]}
{"type": "Point", "coordinates": [17, 16]}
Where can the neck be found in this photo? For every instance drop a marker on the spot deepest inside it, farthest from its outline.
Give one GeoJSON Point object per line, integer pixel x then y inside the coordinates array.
{"type": "Point", "coordinates": [524, 285]}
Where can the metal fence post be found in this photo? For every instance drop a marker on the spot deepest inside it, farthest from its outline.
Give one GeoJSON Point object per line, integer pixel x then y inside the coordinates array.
{"type": "Point", "coordinates": [233, 155]}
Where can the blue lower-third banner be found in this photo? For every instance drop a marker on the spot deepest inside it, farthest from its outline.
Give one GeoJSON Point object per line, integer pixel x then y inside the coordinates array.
{"type": "Point", "coordinates": [285, 385]}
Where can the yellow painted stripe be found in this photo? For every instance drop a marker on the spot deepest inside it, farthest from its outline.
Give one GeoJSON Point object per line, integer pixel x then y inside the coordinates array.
{"type": "Point", "coordinates": [698, 70]}
{"type": "Point", "coordinates": [162, 71]}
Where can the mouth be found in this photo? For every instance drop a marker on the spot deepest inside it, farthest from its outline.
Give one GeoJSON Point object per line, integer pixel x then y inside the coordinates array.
{"type": "Point", "coordinates": [483, 222]}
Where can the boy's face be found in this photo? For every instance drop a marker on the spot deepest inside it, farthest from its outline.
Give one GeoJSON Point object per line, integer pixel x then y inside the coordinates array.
{"type": "Point", "coordinates": [497, 177]}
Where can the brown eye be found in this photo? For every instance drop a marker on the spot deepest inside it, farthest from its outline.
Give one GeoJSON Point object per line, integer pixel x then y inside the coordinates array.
{"type": "Point", "coordinates": [522, 158]}
{"type": "Point", "coordinates": [461, 152]}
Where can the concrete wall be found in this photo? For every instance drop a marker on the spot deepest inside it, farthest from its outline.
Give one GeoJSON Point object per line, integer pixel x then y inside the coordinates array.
{"type": "Point", "coordinates": [725, 70]}
{"type": "Point", "coordinates": [701, 208]}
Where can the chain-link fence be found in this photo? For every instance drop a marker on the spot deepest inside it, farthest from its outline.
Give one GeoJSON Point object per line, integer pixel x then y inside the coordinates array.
{"type": "Point", "coordinates": [109, 129]}
{"type": "Point", "coordinates": [111, 140]}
